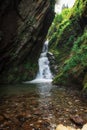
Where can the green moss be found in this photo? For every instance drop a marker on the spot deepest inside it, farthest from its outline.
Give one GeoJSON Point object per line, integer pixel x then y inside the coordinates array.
{"type": "Point", "coordinates": [85, 86]}
{"type": "Point", "coordinates": [24, 72]}
{"type": "Point", "coordinates": [58, 25]}
{"type": "Point", "coordinates": [68, 43]}
{"type": "Point", "coordinates": [78, 53]}
{"type": "Point", "coordinates": [60, 79]}
{"type": "Point", "coordinates": [76, 63]}
{"type": "Point", "coordinates": [79, 8]}
{"type": "Point", "coordinates": [85, 81]}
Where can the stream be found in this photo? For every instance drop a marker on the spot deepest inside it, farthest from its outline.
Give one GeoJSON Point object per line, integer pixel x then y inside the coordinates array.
{"type": "Point", "coordinates": [39, 106]}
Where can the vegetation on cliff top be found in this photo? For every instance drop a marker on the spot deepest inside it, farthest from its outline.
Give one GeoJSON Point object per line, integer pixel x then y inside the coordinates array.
{"type": "Point", "coordinates": [68, 43]}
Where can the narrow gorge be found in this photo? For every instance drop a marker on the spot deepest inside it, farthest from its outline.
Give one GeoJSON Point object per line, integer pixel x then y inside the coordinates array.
{"type": "Point", "coordinates": [43, 65]}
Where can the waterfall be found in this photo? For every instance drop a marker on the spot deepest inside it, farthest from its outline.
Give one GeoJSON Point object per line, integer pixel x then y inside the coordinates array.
{"type": "Point", "coordinates": [44, 73]}
{"type": "Point", "coordinates": [43, 62]}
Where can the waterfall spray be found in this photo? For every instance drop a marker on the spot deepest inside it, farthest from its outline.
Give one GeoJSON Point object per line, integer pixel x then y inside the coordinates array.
{"type": "Point", "coordinates": [44, 73]}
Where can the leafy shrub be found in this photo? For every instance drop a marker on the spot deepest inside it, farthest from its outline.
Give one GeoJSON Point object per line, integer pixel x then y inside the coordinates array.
{"type": "Point", "coordinates": [79, 53]}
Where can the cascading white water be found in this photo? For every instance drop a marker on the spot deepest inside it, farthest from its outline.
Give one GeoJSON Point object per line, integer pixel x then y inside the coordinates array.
{"type": "Point", "coordinates": [43, 62]}
{"type": "Point", "coordinates": [44, 74]}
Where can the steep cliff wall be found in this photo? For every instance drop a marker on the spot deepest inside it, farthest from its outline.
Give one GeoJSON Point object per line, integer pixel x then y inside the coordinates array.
{"type": "Point", "coordinates": [23, 28]}
{"type": "Point", "coordinates": [68, 43]}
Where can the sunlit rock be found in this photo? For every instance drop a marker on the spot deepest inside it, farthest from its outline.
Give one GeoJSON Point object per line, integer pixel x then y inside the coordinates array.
{"type": "Point", "coordinates": [84, 127]}
{"type": "Point", "coordinates": [62, 127]}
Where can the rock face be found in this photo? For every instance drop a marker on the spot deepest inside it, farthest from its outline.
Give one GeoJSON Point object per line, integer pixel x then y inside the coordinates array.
{"type": "Point", "coordinates": [23, 28]}
{"type": "Point", "coordinates": [53, 65]}
{"type": "Point", "coordinates": [67, 42]}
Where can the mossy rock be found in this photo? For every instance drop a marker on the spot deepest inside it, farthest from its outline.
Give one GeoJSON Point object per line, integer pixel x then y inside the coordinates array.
{"type": "Point", "coordinates": [85, 82]}
{"type": "Point", "coordinates": [60, 79]}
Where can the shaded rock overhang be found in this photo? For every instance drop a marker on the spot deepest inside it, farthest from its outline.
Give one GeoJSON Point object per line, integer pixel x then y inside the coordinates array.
{"type": "Point", "coordinates": [23, 28]}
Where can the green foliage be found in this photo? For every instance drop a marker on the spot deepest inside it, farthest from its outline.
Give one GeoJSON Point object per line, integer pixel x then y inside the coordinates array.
{"type": "Point", "coordinates": [78, 53]}
{"type": "Point", "coordinates": [79, 8]}
{"type": "Point", "coordinates": [85, 86]}
{"type": "Point", "coordinates": [61, 79]}
{"type": "Point", "coordinates": [66, 13]}
{"type": "Point", "coordinates": [68, 43]}
{"type": "Point", "coordinates": [57, 21]}
{"type": "Point", "coordinates": [71, 39]}
{"type": "Point", "coordinates": [21, 73]}
{"type": "Point", "coordinates": [85, 82]}
{"type": "Point", "coordinates": [75, 63]}
{"type": "Point", "coordinates": [61, 30]}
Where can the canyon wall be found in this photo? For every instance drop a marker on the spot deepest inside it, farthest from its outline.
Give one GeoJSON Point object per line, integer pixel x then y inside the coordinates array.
{"type": "Point", "coordinates": [23, 28]}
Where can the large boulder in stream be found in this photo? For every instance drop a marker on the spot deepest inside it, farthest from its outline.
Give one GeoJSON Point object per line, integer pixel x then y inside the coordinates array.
{"type": "Point", "coordinates": [23, 28]}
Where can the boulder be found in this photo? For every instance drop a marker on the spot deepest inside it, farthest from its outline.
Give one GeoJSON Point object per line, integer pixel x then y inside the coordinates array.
{"type": "Point", "coordinates": [62, 127]}
{"type": "Point", "coordinates": [84, 127]}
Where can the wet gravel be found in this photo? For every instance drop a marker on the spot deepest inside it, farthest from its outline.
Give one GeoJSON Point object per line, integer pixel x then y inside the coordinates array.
{"type": "Point", "coordinates": [40, 106]}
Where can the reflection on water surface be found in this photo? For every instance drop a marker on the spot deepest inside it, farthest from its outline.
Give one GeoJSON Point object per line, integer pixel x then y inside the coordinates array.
{"type": "Point", "coordinates": [39, 106]}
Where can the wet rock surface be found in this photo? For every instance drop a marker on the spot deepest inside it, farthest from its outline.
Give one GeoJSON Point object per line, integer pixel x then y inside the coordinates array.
{"type": "Point", "coordinates": [41, 108]}
{"type": "Point", "coordinates": [53, 64]}
{"type": "Point", "coordinates": [23, 28]}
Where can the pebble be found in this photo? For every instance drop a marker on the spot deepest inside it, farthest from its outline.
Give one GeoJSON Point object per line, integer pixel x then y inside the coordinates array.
{"type": "Point", "coordinates": [31, 112]}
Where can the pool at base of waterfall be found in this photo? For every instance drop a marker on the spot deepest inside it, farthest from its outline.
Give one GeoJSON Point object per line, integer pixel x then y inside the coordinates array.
{"type": "Point", "coordinates": [40, 106]}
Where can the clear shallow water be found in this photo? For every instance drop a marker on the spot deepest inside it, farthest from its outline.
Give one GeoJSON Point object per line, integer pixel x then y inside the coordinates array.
{"type": "Point", "coordinates": [39, 106]}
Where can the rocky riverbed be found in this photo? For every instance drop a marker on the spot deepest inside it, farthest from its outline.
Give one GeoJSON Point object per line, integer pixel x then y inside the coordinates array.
{"type": "Point", "coordinates": [40, 107]}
